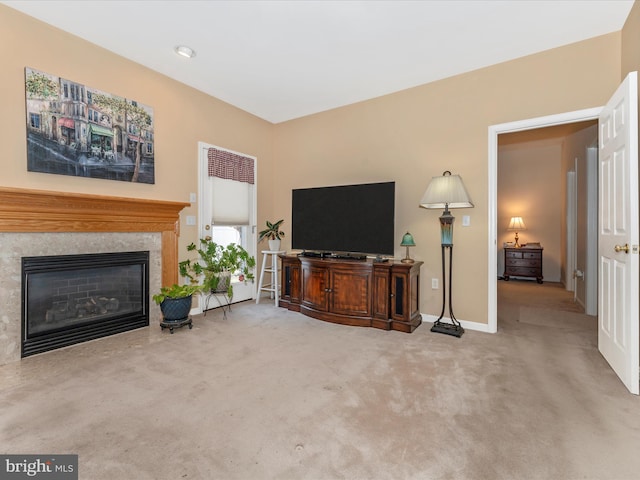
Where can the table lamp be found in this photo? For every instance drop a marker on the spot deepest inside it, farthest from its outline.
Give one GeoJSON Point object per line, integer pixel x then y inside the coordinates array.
{"type": "Point", "coordinates": [407, 241]}
{"type": "Point", "coordinates": [516, 224]}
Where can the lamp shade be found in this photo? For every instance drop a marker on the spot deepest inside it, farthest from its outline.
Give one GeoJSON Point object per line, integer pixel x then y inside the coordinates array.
{"type": "Point", "coordinates": [407, 240]}
{"type": "Point", "coordinates": [446, 191]}
{"type": "Point", "coordinates": [516, 224]}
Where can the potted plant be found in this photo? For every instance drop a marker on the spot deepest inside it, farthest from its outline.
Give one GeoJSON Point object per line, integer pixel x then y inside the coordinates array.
{"type": "Point", "coordinates": [215, 265]}
{"type": "Point", "coordinates": [175, 304]}
{"type": "Point", "coordinates": [273, 233]}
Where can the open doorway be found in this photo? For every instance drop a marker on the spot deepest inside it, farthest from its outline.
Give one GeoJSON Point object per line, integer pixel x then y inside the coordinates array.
{"type": "Point", "coordinates": [493, 134]}
{"type": "Point", "coordinates": [547, 177]}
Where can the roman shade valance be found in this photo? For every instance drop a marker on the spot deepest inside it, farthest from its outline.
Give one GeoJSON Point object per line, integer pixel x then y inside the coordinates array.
{"type": "Point", "coordinates": [230, 166]}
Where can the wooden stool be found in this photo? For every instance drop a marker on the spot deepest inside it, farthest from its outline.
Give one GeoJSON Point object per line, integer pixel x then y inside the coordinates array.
{"type": "Point", "coordinates": [271, 287]}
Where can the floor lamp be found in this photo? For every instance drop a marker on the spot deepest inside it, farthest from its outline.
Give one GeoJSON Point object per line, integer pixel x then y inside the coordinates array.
{"type": "Point", "coordinates": [446, 191]}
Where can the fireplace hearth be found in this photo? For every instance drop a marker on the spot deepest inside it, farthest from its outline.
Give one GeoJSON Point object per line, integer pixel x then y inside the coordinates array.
{"type": "Point", "coordinates": [68, 299]}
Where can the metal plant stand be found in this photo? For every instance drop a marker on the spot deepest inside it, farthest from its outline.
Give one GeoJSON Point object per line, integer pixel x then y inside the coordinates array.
{"type": "Point", "coordinates": [226, 304]}
{"type": "Point", "coordinates": [171, 324]}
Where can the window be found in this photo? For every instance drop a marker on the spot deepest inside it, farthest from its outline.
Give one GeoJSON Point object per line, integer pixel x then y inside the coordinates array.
{"type": "Point", "coordinates": [225, 235]}
{"type": "Point", "coordinates": [34, 119]}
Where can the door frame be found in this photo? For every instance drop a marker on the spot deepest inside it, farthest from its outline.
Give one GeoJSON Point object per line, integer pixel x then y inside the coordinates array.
{"type": "Point", "coordinates": [252, 243]}
{"type": "Point", "coordinates": [571, 222]}
{"type": "Point", "coordinates": [492, 159]}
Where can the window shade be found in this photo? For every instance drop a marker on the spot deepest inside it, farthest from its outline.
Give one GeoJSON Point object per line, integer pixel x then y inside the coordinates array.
{"type": "Point", "coordinates": [232, 177]}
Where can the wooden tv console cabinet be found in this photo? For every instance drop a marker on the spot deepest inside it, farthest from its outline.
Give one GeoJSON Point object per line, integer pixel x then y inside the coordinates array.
{"type": "Point", "coordinates": [363, 293]}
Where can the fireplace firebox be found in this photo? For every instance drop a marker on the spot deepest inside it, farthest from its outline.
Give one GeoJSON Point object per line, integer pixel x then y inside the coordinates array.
{"type": "Point", "coordinates": [68, 299]}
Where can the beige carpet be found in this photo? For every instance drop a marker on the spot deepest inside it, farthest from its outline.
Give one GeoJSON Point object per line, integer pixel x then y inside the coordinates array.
{"type": "Point", "coordinates": [271, 394]}
{"type": "Point", "coordinates": [550, 317]}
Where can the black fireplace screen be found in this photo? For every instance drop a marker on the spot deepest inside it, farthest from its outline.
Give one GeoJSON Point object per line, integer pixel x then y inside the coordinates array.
{"type": "Point", "coordinates": [68, 299]}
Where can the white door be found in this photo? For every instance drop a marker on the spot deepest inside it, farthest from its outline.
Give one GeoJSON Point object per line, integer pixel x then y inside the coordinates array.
{"type": "Point", "coordinates": [618, 233]}
{"type": "Point", "coordinates": [241, 234]}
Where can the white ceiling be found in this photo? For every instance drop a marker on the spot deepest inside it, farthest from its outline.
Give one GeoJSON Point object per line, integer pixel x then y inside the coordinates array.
{"type": "Point", "coordinates": [281, 60]}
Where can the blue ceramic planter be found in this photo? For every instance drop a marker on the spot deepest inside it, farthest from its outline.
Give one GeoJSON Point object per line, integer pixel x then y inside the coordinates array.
{"type": "Point", "coordinates": [176, 309]}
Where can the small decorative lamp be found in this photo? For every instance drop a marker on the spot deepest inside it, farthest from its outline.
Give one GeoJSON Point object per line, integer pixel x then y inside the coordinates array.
{"type": "Point", "coordinates": [446, 192]}
{"type": "Point", "coordinates": [407, 241]}
{"type": "Point", "coordinates": [515, 225]}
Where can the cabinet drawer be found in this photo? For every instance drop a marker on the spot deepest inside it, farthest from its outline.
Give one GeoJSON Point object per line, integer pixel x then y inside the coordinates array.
{"type": "Point", "coordinates": [536, 255]}
{"type": "Point", "coordinates": [524, 263]}
{"type": "Point", "coordinates": [512, 254]}
{"type": "Point", "coordinates": [523, 271]}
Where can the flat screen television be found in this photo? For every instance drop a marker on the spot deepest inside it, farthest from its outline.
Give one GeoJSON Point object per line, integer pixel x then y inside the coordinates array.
{"type": "Point", "coordinates": [356, 219]}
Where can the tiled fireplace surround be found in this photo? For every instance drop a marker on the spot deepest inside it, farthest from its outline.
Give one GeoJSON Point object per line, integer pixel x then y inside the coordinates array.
{"type": "Point", "coordinates": [35, 223]}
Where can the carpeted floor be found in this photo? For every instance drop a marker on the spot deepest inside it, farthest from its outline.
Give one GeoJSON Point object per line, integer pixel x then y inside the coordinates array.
{"type": "Point", "coordinates": [271, 394]}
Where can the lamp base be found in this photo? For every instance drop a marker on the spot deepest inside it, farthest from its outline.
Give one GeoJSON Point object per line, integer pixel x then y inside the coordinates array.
{"type": "Point", "coordinates": [448, 329]}
{"type": "Point", "coordinates": [407, 259]}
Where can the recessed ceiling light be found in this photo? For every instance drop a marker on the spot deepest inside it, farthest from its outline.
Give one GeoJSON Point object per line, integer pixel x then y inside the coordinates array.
{"type": "Point", "coordinates": [185, 51]}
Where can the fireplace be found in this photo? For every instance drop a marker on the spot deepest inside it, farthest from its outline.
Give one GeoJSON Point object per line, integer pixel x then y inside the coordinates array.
{"type": "Point", "coordinates": [68, 299]}
{"type": "Point", "coordinates": [45, 223]}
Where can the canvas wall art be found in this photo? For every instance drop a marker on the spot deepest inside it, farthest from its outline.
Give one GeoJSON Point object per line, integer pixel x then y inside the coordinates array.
{"type": "Point", "coordinates": [73, 129]}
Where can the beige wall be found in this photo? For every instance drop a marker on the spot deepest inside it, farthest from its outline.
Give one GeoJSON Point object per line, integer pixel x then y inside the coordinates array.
{"type": "Point", "coordinates": [183, 116]}
{"type": "Point", "coordinates": [408, 136]}
{"type": "Point", "coordinates": [631, 42]}
{"type": "Point", "coordinates": [413, 135]}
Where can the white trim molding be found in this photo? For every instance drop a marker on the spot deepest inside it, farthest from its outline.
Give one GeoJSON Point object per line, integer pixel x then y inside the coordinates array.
{"type": "Point", "coordinates": [494, 131]}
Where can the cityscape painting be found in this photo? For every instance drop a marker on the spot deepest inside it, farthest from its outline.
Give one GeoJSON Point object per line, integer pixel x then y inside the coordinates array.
{"type": "Point", "coordinates": [73, 129]}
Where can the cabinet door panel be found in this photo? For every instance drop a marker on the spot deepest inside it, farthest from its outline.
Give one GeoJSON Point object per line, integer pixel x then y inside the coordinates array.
{"type": "Point", "coordinates": [315, 282]}
{"type": "Point", "coordinates": [381, 294]}
{"type": "Point", "coordinates": [399, 310]}
{"type": "Point", "coordinates": [350, 292]}
{"type": "Point", "coordinates": [295, 283]}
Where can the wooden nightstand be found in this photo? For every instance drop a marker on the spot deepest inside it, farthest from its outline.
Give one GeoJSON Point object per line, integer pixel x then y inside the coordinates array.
{"type": "Point", "coordinates": [523, 262]}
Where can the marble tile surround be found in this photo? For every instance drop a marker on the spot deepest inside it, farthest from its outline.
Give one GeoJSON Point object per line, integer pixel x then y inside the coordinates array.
{"type": "Point", "coordinates": [14, 246]}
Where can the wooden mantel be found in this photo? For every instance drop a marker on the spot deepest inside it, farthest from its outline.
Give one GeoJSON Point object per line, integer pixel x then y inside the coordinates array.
{"type": "Point", "coordinates": [24, 210]}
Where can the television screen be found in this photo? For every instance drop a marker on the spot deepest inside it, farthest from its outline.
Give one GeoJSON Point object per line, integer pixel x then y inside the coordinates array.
{"type": "Point", "coordinates": [344, 219]}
